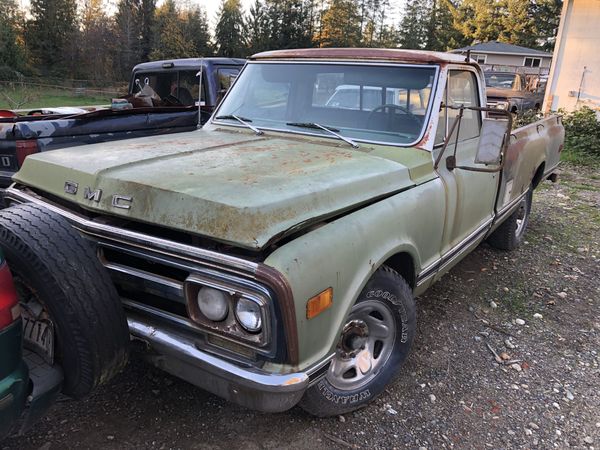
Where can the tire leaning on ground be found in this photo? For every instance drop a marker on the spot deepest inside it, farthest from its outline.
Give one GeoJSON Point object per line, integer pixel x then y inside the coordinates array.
{"type": "Point", "coordinates": [374, 343]}
{"type": "Point", "coordinates": [509, 235]}
{"type": "Point", "coordinates": [55, 267]}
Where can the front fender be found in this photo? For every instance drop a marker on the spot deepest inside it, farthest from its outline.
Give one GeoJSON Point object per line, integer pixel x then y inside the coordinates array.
{"type": "Point", "coordinates": [344, 253]}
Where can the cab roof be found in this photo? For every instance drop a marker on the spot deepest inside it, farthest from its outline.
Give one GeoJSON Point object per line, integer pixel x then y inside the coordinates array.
{"type": "Point", "coordinates": [359, 54]}
{"type": "Point", "coordinates": [188, 63]}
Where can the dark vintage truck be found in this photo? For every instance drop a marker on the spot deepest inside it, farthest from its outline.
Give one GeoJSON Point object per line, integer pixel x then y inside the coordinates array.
{"type": "Point", "coordinates": [514, 92]}
{"type": "Point", "coordinates": [273, 256]}
{"type": "Point", "coordinates": [176, 85]}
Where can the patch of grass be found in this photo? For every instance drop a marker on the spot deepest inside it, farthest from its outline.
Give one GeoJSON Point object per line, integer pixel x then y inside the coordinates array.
{"type": "Point", "coordinates": [592, 213]}
{"type": "Point", "coordinates": [579, 158]}
{"type": "Point", "coordinates": [516, 301]}
{"type": "Point", "coordinates": [33, 98]}
{"type": "Point", "coordinates": [545, 186]}
{"type": "Point", "coordinates": [584, 187]}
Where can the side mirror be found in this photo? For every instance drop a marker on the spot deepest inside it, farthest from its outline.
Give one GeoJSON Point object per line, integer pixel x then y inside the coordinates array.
{"type": "Point", "coordinates": [491, 141]}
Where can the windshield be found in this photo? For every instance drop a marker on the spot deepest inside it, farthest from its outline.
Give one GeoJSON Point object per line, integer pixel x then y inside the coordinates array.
{"type": "Point", "coordinates": [387, 104]}
{"type": "Point", "coordinates": [500, 80]}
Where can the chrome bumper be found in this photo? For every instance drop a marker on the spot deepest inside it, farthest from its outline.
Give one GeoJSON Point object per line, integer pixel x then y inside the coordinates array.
{"type": "Point", "coordinates": [250, 387]}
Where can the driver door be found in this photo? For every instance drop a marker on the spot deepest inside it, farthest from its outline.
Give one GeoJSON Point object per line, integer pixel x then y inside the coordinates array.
{"type": "Point", "coordinates": [470, 195]}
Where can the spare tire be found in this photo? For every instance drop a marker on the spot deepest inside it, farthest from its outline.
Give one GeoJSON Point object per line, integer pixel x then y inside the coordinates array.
{"type": "Point", "coordinates": [61, 282]}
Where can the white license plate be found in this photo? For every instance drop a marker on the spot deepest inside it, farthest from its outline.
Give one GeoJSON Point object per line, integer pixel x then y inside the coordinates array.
{"type": "Point", "coordinates": [39, 337]}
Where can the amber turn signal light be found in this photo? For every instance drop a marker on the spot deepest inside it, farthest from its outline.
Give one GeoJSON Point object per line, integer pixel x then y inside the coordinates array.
{"type": "Point", "coordinates": [319, 303]}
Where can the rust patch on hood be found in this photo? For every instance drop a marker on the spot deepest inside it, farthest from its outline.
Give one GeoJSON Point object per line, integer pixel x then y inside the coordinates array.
{"type": "Point", "coordinates": [238, 189]}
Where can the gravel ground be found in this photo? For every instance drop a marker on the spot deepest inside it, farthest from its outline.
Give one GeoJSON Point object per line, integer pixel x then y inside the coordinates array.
{"type": "Point", "coordinates": [537, 308]}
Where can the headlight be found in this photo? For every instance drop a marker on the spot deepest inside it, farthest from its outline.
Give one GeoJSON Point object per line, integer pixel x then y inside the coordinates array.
{"type": "Point", "coordinates": [502, 105]}
{"type": "Point", "coordinates": [249, 315]}
{"type": "Point", "coordinates": [213, 303]}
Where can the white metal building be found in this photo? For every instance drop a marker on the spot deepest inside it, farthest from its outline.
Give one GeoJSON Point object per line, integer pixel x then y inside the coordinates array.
{"type": "Point", "coordinates": [575, 73]}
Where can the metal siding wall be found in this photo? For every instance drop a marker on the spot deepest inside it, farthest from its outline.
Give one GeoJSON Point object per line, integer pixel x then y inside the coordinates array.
{"type": "Point", "coordinates": [577, 48]}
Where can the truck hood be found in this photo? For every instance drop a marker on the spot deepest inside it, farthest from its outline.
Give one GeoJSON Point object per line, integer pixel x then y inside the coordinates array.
{"type": "Point", "coordinates": [501, 93]}
{"type": "Point", "coordinates": [235, 187]}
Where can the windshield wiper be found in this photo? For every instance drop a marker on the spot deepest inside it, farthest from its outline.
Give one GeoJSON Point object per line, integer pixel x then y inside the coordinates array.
{"type": "Point", "coordinates": [241, 120]}
{"type": "Point", "coordinates": [330, 130]}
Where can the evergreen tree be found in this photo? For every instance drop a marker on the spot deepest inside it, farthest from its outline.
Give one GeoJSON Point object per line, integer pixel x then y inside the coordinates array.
{"type": "Point", "coordinates": [414, 25]}
{"type": "Point", "coordinates": [531, 23]}
{"type": "Point", "coordinates": [50, 35]}
{"type": "Point", "coordinates": [96, 44]}
{"type": "Point", "coordinates": [128, 33]}
{"type": "Point", "coordinates": [258, 28]}
{"type": "Point", "coordinates": [480, 20]}
{"type": "Point", "coordinates": [340, 25]}
{"type": "Point", "coordinates": [441, 33]}
{"type": "Point", "coordinates": [12, 54]}
{"type": "Point", "coordinates": [145, 13]}
{"type": "Point", "coordinates": [546, 18]}
{"type": "Point", "coordinates": [517, 24]}
{"type": "Point", "coordinates": [196, 31]}
{"type": "Point", "coordinates": [289, 23]}
{"type": "Point", "coordinates": [170, 40]}
{"type": "Point", "coordinates": [230, 30]}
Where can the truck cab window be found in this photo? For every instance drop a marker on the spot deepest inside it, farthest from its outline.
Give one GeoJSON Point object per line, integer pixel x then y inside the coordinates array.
{"type": "Point", "coordinates": [182, 84]}
{"type": "Point", "coordinates": [226, 76]}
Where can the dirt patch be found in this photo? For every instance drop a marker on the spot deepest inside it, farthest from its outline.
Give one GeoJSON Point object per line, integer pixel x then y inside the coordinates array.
{"type": "Point", "coordinates": [537, 307]}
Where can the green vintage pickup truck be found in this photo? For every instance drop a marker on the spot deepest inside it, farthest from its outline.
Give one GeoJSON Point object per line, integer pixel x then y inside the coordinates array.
{"type": "Point", "coordinates": [273, 257]}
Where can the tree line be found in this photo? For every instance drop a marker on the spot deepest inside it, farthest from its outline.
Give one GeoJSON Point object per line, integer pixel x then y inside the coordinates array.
{"type": "Point", "coordinates": [80, 39]}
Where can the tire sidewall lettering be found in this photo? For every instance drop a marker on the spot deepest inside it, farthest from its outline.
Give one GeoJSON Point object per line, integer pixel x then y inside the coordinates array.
{"type": "Point", "coordinates": [342, 399]}
{"type": "Point", "coordinates": [392, 298]}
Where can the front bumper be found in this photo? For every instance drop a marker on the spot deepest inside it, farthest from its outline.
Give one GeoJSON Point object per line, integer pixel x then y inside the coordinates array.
{"type": "Point", "coordinates": [177, 354]}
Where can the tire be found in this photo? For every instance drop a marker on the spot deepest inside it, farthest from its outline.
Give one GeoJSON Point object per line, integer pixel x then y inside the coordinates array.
{"type": "Point", "coordinates": [53, 266]}
{"type": "Point", "coordinates": [510, 234]}
{"type": "Point", "coordinates": [386, 299]}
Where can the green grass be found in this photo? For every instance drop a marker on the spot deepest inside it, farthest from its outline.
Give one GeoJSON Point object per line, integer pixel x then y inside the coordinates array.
{"type": "Point", "coordinates": [579, 158]}
{"type": "Point", "coordinates": [516, 301]}
{"type": "Point", "coordinates": [47, 98]}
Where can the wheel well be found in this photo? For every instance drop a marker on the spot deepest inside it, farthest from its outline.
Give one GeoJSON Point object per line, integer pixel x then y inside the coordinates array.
{"type": "Point", "coordinates": [403, 264]}
{"type": "Point", "coordinates": [539, 173]}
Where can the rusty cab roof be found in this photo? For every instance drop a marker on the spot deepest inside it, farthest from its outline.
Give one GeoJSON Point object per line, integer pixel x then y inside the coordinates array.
{"type": "Point", "coordinates": [361, 54]}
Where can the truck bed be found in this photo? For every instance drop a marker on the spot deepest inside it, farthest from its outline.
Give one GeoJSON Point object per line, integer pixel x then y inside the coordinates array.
{"type": "Point", "coordinates": [534, 146]}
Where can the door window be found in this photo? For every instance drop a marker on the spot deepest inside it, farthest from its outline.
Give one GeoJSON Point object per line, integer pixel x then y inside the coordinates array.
{"type": "Point", "coordinates": [461, 90]}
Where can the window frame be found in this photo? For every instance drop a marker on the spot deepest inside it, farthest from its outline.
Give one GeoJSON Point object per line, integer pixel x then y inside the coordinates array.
{"type": "Point", "coordinates": [426, 120]}
{"type": "Point", "coordinates": [476, 57]}
{"type": "Point", "coordinates": [477, 76]}
{"type": "Point", "coordinates": [532, 58]}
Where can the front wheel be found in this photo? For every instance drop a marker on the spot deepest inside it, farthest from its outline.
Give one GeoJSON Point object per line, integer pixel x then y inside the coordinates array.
{"type": "Point", "coordinates": [374, 342]}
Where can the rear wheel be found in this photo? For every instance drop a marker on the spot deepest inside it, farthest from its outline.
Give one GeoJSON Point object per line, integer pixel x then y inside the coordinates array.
{"type": "Point", "coordinates": [374, 343]}
{"type": "Point", "coordinates": [72, 313]}
{"type": "Point", "coordinates": [510, 234]}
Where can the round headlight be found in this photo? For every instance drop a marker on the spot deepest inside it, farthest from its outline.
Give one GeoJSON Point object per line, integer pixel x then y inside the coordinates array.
{"type": "Point", "coordinates": [249, 315]}
{"type": "Point", "coordinates": [213, 303]}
